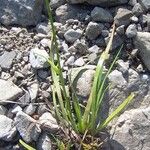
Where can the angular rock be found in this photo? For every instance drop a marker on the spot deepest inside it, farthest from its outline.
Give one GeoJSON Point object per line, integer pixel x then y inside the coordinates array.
{"type": "Point", "coordinates": [131, 31]}
{"type": "Point", "coordinates": [43, 28]}
{"type": "Point", "coordinates": [101, 15]}
{"type": "Point", "coordinates": [6, 59]}
{"type": "Point", "coordinates": [27, 127]}
{"type": "Point", "coordinates": [145, 4]}
{"type": "Point", "coordinates": [79, 62]}
{"type": "Point", "coordinates": [105, 3]}
{"type": "Point", "coordinates": [3, 110]}
{"type": "Point", "coordinates": [137, 9]}
{"type": "Point", "coordinates": [80, 46]}
{"type": "Point", "coordinates": [8, 91]}
{"type": "Point", "coordinates": [116, 78]}
{"type": "Point", "coordinates": [93, 30]}
{"type": "Point", "coordinates": [65, 12]}
{"type": "Point", "coordinates": [24, 13]}
{"type": "Point", "coordinates": [48, 122]}
{"type": "Point", "coordinates": [38, 58]}
{"type": "Point", "coordinates": [44, 142]}
{"type": "Point", "coordinates": [57, 3]}
{"type": "Point", "coordinates": [30, 109]}
{"type": "Point", "coordinates": [7, 129]}
{"type": "Point", "coordinates": [123, 16]}
{"type": "Point", "coordinates": [142, 43]}
{"type": "Point", "coordinates": [72, 35]}
{"type": "Point", "coordinates": [33, 90]}
{"type": "Point", "coordinates": [135, 127]}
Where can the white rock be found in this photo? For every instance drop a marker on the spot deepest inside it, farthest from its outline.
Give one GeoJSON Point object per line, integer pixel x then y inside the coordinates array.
{"type": "Point", "coordinates": [38, 58]}
{"type": "Point", "coordinates": [48, 122]}
{"type": "Point", "coordinates": [8, 91]}
{"type": "Point", "coordinates": [33, 90]}
{"type": "Point", "coordinates": [7, 130]}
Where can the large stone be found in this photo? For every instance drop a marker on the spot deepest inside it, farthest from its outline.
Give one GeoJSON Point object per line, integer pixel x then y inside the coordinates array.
{"type": "Point", "coordinates": [105, 3]}
{"type": "Point", "coordinates": [8, 91]}
{"type": "Point", "coordinates": [7, 130]}
{"type": "Point", "coordinates": [132, 130]}
{"type": "Point", "coordinates": [101, 15]}
{"type": "Point", "coordinates": [142, 42]}
{"type": "Point", "coordinates": [67, 11]}
{"type": "Point", "coordinates": [20, 12]}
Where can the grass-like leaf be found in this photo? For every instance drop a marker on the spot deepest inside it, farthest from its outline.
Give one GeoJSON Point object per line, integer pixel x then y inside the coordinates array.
{"type": "Point", "coordinates": [28, 147]}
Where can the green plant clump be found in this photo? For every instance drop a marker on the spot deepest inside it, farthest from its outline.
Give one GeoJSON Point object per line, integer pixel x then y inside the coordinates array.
{"type": "Point", "coordinates": [81, 121]}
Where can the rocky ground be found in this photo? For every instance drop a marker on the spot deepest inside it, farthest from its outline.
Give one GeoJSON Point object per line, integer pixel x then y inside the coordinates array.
{"type": "Point", "coordinates": [83, 30]}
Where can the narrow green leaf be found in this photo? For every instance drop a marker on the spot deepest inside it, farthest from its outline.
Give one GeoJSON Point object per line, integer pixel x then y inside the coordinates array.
{"type": "Point", "coordinates": [28, 147]}
{"type": "Point", "coordinates": [116, 112]}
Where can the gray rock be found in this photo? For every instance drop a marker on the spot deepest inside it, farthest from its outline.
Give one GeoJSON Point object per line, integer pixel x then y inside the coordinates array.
{"type": "Point", "coordinates": [43, 74]}
{"type": "Point", "coordinates": [148, 21]}
{"type": "Point", "coordinates": [105, 3]}
{"type": "Point", "coordinates": [135, 127]}
{"type": "Point", "coordinates": [79, 62]}
{"type": "Point", "coordinates": [66, 12]}
{"type": "Point", "coordinates": [94, 49]}
{"type": "Point", "coordinates": [7, 129]}
{"type": "Point", "coordinates": [145, 4]}
{"type": "Point", "coordinates": [116, 78]}
{"type": "Point", "coordinates": [122, 66]}
{"type": "Point", "coordinates": [43, 28]}
{"type": "Point", "coordinates": [93, 30]}
{"type": "Point", "coordinates": [100, 41]}
{"type": "Point", "coordinates": [137, 9]}
{"type": "Point", "coordinates": [33, 90]}
{"type": "Point", "coordinates": [80, 46]}
{"type": "Point", "coordinates": [121, 30]}
{"type": "Point", "coordinates": [70, 61]}
{"type": "Point", "coordinates": [56, 3]}
{"type": "Point", "coordinates": [142, 42]}
{"type": "Point", "coordinates": [134, 19]}
{"type": "Point", "coordinates": [3, 110]}
{"type": "Point", "coordinates": [82, 81]}
{"type": "Point", "coordinates": [123, 16]}
{"type": "Point", "coordinates": [101, 15]}
{"type": "Point", "coordinates": [131, 31]}
{"type": "Point", "coordinates": [25, 99]}
{"type": "Point", "coordinates": [30, 109]}
{"type": "Point", "coordinates": [117, 41]}
{"type": "Point", "coordinates": [105, 33]}
{"type": "Point", "coordinates": [134, 83]}
{"type": "Point", "coordinates": [44, 142]}
{"type": "Point", "coordinates": [48, 122]}
{"type": "Point", "coordinates": [24, 13]}
{"type": "Point", "coordinates": [72, 35]}
{"type": "Point", "coordinates": [132, 2]}
{"type": "Point", "coordinates": [8, 91]}
{"type": "Point", "coordinates": [38, 58]}
{"type": "Point", "coordinates": [45, 43]}
{"type": "Point", "coordinates": [16, 109]}
{"type": "Point", "coordinates": [27, 127]}
{"type": "Point", "coordinates": [6, 59]}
